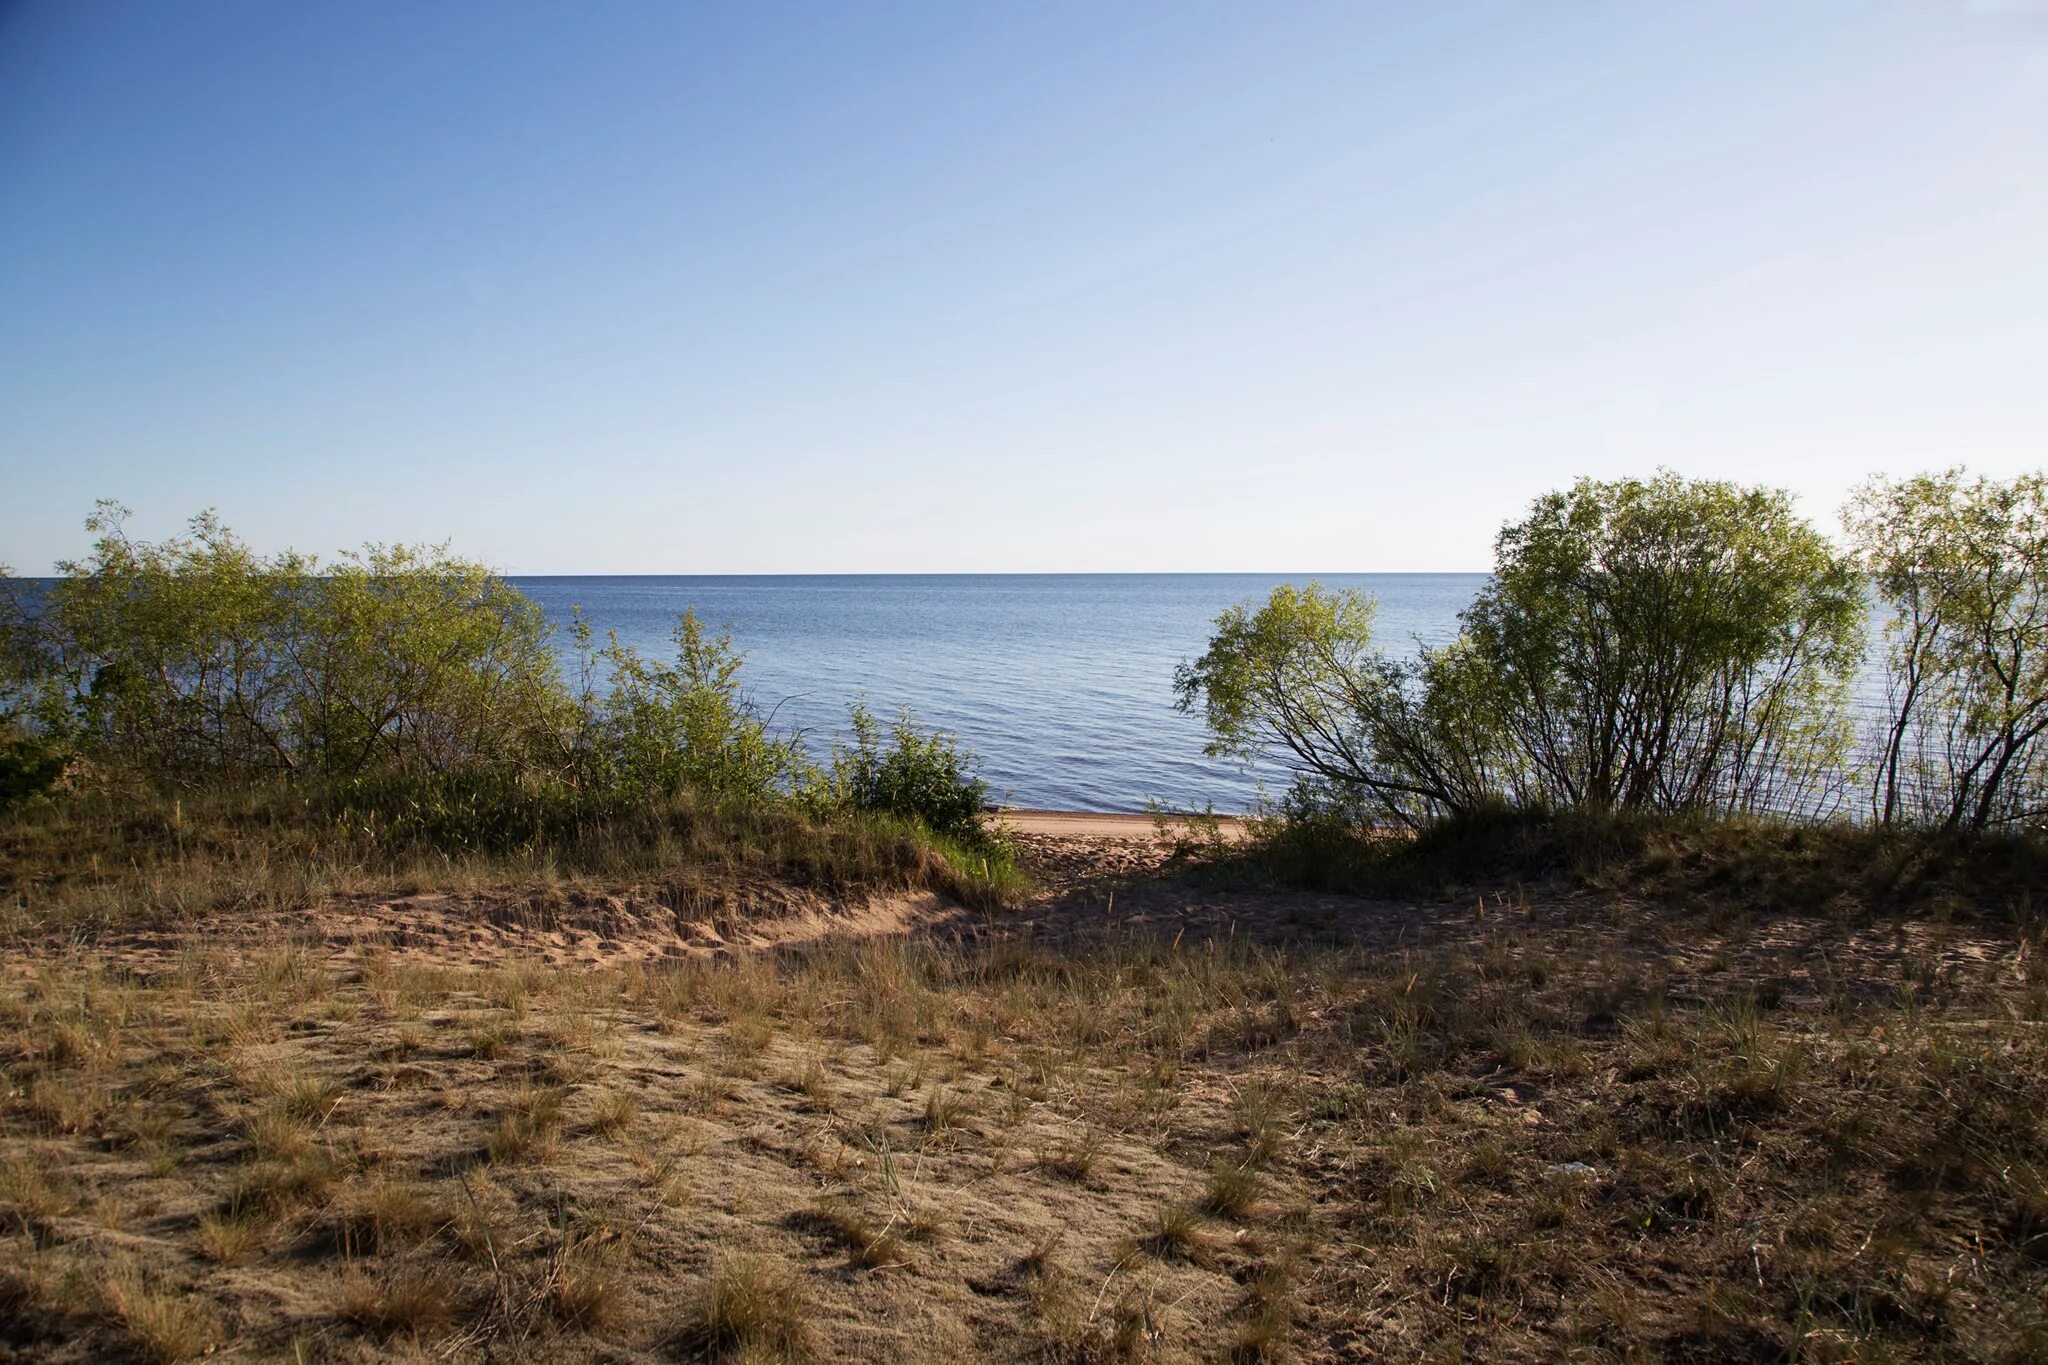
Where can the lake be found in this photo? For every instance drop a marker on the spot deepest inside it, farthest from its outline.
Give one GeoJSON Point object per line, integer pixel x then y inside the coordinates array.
{"type": "Point", "coordinates": [1062, 684]}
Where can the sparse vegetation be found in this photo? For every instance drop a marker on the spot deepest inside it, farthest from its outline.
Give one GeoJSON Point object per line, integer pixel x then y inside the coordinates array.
{"type": "Point", "coordinates": [188, 726]}
{"type": "Point", "coordinates": [1757, 864]}
{"type": "Point", "coordinates": [1560, 1124]}
{"type": "Point", "coordinates": [1675, 648]}
{"type": "Point", "coordinates": [753, 1306]}
{"type": "Point", "coordinates": [483, 1064]}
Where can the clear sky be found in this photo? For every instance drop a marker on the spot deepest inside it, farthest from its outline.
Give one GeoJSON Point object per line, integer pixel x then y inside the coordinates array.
{"type": "Point", "coordinates": [859, 287]}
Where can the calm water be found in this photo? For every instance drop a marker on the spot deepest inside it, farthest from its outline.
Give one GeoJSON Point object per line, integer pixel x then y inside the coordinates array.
{"type": "Point", "coordinates": [1061, 683]}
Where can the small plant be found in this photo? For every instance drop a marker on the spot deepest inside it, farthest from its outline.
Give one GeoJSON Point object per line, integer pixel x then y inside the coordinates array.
{"type": "Point", "coordinates": [755, 1306]}
{"type": "Point", "coordinates": [283, 1187]}
{"type": "Point", "coordinates": [917, 775]}
{"type": "Point", "coordinates": [614, 1114]}
{"type": "Point", "coordinates": [584, 1285]}
{"type": "Point", "coordinates": [387, 1215]}
{"type": "Point", "coordinates": [1261, 1108]}
{"type": "Point", "coordinates": [1178, 1234]}
{"type": "Point", "coordinates": [809, 1080]}
{"type": "Point", "coordinates": [1073, 1158]}
{"type": "Point", "coordinates": [489, 1041]}
{"type": "Point", "coordinates": [869, 1244]}
{"type": "Point", "coordinates": [945, 1110]}
{"type": "Point", "coordinates": [229, 1239]}
{"type": "Point", "coordinates": [707, 1091]}
{"type": "Point", "coordinates": [527, 1127]}
{"type": "Point", "coordinates": [28, 1190]}
{"type": "Point", "coordinates": [1232, 1191]}
{"type": "Point", "coordinates": [164, 1323]}
{"type": "Point", "coordinates": [1271, 1303]}
{"type": "Point", "coordinates": [408, 1300]}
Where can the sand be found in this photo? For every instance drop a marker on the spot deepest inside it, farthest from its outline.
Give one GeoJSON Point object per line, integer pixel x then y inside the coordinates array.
{"type": "Point", "coordinates": [1094, 825]}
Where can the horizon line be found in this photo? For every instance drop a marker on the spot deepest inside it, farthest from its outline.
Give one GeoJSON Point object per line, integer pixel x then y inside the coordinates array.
{"type": "Point", "coordinates": [1016, 573]}
{"type": "Point", "coordinates": [959, 573]}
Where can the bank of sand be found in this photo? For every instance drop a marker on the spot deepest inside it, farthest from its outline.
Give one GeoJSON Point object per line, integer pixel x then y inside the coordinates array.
{"type": "Point", "coordinates": [1135, 1115]}
{"type": "Point", "coordinates": [1074, 824]}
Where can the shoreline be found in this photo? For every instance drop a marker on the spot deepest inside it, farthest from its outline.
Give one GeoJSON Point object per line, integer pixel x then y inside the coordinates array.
{"type": "Point", "coordinates": [1104, 824]}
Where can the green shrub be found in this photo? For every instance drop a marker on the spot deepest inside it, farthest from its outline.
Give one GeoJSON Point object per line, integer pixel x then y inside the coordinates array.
{"type": "Point", "coordinates": [1670, 644]}
{"type": "Point", "coordinates": [913, 774]}
{"type": "Point", "coordinates": [1963, 565]}
{"type": "Point", "coordinates": [665, 728]}
{"type": "Point", "coordinates": [196, 660]}
{"type": "Point", "coordinates": [402, 704]}
{"type": "Point", "coordinates": [28, 767]}
{"type": "Point", "coordinates": [1665, 645]}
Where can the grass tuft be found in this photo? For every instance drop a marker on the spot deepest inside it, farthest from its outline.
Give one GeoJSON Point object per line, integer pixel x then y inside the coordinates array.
{"type": "Point", "coordinates": [407, 1300]}
{"type": "Point", "coordinates": [163, 1323]}
{"type": "Point", "coordinates": [755, 1306]}
{"type": "Point", "coordinates": [1232, 1191]}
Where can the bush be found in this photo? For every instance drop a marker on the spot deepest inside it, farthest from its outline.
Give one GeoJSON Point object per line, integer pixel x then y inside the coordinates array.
{"type": "Point", "coordinates": [1963, 564]}
{"type": "Point", "coordinates": [30, 762]}
{"type": "Point", "coordinates": [915, 775]}
{"type": "Point", "coordinates": [1670, 645]}
{"type": "Point", "coordinates": [403, 704]}
{"type": "Point", "coordinates": [28, 767]}
{"type": "Point", "coordinates": [197, 660]}
{"type": "Point", "coordinates": [661, 729]}
{"type": "Point", "coordinates": [1663, 645]}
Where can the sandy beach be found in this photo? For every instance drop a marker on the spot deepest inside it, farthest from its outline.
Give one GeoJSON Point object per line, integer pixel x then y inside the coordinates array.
{"type": "Point", "coordinates": [1102, 825]}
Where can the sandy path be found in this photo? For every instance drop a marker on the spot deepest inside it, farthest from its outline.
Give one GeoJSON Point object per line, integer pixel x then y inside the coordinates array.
{"type": "Point", "coordinates": [1089, 824]}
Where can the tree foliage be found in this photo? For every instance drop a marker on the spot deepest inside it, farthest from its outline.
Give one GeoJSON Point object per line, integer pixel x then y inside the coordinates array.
{"type": "Point", "coordinates": [1963, 565]}
{"type": "Point", "coordinates": [687, 725]}
{"type": "Point", "coordinates": [29, 763]}
{"type": "Point", "coordinates": [1301, 675]}
{"type": "Point", "coordinates": [1660, 644]}
{"type": "Point", "coordinates": [410, 684]}
{"type": "Point", "coordinates": [913, 774]}
{"type": "Point", "coordinates": [1671, 644]}
{"type": "Point", "coordinates": [196, 659]}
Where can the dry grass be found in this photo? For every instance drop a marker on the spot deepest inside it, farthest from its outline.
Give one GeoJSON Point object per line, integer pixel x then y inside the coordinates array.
{"type": "Point", "coordinates": [1232, 1192]}
{"type": "Point", "coordinates": [1518, 1130]}
{"type": "Point", "coordinates": [162, 1322]}
{"type": "Point", "coordinates": [613, 1114]}
{"type": "Point", "coordinates": [754, 1307]}
{"type": "Point", "coordinates": [228, 1239]}
{"type": "Point", "coordinates": [405, 1300]}
{"type": "Point", "coordinates": [92, 859]}
{"type": "Point", "coordinates": [871, 1243]}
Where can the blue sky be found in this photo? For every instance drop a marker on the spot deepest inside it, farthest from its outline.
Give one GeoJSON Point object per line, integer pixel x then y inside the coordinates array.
{"type": "Point", "coordinates": [766, 288]}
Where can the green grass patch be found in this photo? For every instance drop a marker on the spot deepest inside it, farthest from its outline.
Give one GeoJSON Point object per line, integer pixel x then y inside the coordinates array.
{"type": "Point", "coordinates": [1772, 866]}
{"type": "Point", "coordinates": [112, 856]}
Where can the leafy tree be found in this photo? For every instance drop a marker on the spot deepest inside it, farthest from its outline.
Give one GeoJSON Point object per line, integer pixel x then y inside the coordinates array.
{"type": "Point", "coordinates": [22, 661]}
{"type": "Point", "coordinates": [1963, 564]}
{"type": "Point", "coordinates": [1658, 644]}
{"type": "Point", "coordinates": [30, 761]}
{"type": "Point", "coordinates": [162, 658]}
{"type": "Point", "coordinates": [408, 658]}
{"type": "Point", "coordinates": [1301, 676]}
{"type": "Point", "coordinates": [195, 659]}
{"type": "Point", "coordinates": [1671, 644]}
